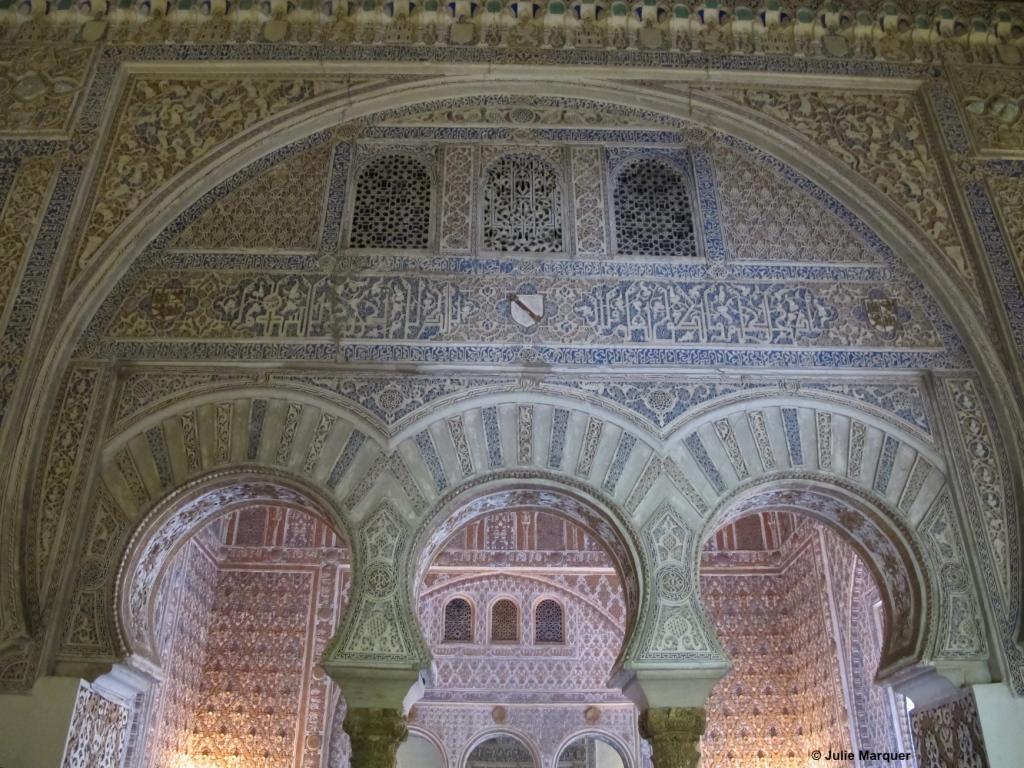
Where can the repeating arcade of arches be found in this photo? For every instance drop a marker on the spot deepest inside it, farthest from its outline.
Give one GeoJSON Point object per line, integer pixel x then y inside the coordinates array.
{"type": "Point", "coordinates": [345, 465]}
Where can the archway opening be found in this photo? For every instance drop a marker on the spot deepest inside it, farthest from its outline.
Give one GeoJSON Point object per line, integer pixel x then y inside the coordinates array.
{"type": "Point", "coordinates": [525, 613]}
{"type": "Point", "coordinates": [237, 616]}
{"type": "Point", "coordinates": [502, 751]}
{"type": "Point", "coordinates": [802, 617]}
{"type": "Point", "coordinates": [417, 751]}
{"type": "Point", "coordinates": [590, 751]}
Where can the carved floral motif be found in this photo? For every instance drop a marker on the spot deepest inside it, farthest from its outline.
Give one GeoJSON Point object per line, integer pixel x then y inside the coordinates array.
{"type": "Point", "coordinates": [277, 210]}
{"type": "Point", "coordinates": [882, 137]}
{"type": "Point", "coordinates": [40, 86]}
{"type": "Point", "coordinates": [19, 214]}
{"type": "Point", "coordinates": [98, 731]}
{"type": "Point", "coordinates": [992, 100]}
{"type": "Point", "coordinates": [164, 125]}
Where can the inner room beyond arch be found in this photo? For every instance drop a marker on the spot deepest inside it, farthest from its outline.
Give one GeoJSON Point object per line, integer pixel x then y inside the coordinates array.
{"type": "Point", "coordinates": [531, 643]}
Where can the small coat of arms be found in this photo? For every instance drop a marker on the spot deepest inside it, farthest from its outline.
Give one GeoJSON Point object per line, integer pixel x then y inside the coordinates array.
{"type": "Point", "coordinates": [527, 309]}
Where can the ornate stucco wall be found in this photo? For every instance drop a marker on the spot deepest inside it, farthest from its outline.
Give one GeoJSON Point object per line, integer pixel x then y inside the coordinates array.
{"type": "Point", "coordinates": [245, 612]}
{"type": "Point", "coordinates": [190, 291]}
{"type": "Point", "coordinates": [798, 615]}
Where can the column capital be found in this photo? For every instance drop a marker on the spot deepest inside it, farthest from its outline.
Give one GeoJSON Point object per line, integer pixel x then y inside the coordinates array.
{"type": "Point", "coordinates": [377, 687]}
{"type": "Point", "coordinates": [674, 733]}
{"type": "Point", "coordinates": [375, 735]}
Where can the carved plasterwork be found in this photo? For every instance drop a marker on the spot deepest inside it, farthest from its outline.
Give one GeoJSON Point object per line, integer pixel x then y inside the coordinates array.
{"type": "Point", "coordinates": [788, 225]}
{"type": "Point", "coordinates": [89, 621]}
{"type": "Point", "coordinates": [678, 629]}
{"type": "Point", "coordinates": [1008, 192]}
{"type": "Point", "coordinates": [677, 626]}
{"type": "Point", "coordinates": [19, 215]}
{"type": "Point", "coordinates": [520, 670]}
{"type": "Point", "coordinates": [990, 99]}
{"type": "Point", "coordinates": [992, 526]}
{"type": "Point", "coordinates": [887, 547]}
{"type": "Point", "coordinates": [460, 506]}
{"type": "Point", "coordinates": [783, 695]}
{"type": "Point", "coordinates": [244, 612]}
{"type": "Point", "coordinates": [41, 85]}
{"type": "Point", "coordinates": [404, 305]}
{"type": "Point", "coordinates": [530, 113]}
{"type": "Point", "coordinates": [949, 734]}
{"type": "Point", "coordinates": [61, 480]}
{"type": "Point", "coordinates": [164, 125]}
{"type": "Point", "coordinates": [882, 137]}
{"type": "Point", "coordinates": [170, 524]}
{"type": "Point", "coordinates": [236, 306]}
{"type": "Point", "coordinates": [960, 624]}
{"type": "Point", "coordinates": [278, 210]}
{"type": "Point", "coordinates": [377, 628]}
{"type": "Point", "coordinates": [98, 731]}
{"type": "Point", "coordinates": [842, 33]}
{"type": "Point", "coordinates": [544, 729]}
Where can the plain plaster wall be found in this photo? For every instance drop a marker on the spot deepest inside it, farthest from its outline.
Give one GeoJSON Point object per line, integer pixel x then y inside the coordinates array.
{"type": "Point", "coordinates": [34, 725]}
{"type": "Point", "coordinates": [1002, 724]}
{"type": "Point", "coordinates": [417, 752]}
{"type": "Point", "coordinates": [607, 757]}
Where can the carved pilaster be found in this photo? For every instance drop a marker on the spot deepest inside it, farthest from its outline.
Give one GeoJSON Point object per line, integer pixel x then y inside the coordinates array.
{"type": "Point", "coordinates": [674, 733]}
{"type": "Point", "coordinates": [375, 735]}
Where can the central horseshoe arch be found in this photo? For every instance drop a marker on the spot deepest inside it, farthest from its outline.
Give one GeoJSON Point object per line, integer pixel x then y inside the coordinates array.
{"type": "Point", "coordinates": [537, 491]}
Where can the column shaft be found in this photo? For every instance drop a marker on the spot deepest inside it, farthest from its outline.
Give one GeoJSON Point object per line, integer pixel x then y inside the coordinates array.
{"type": "Point", "coordinates": [374, 735]}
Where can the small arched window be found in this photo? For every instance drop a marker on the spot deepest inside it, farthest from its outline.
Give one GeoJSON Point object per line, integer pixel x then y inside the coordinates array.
{"type": "Point", "coordinates": [458, 621]}
{"type": "Point", "coordinates": [504, 622]}
{"type": "Point", "coordinates": [548, 622]}
{"type": "Point", "coordinates": [392, 205]}
{"type": "Point", "coordinates": [522, 205]}
{"type": "Point", "coordinates": [652, 211]}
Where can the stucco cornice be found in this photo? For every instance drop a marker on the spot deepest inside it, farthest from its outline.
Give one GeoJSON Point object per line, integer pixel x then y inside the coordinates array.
{"type": "Point", "coordinates": [978, 32]}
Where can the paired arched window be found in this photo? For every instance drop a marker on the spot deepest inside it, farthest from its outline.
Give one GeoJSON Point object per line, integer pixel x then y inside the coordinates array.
{"type": "Point", "coordinates": [392, 205]}
{"type": "Point", "coordinates": [522, 205]}
{"type": "Point", "coordinates": [504, 622]}
{"type": "Point", "coordinates": [548, 622]}
{"type": "Point", "coordinates": [653, 215]}
{"type": "Point", "coordinates": [458, 621]}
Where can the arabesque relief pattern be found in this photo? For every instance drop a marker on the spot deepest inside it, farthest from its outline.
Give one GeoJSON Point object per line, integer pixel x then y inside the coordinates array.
{"type": "Point", "coordinates": [41, 86]}
{"type": "Point", "coordinates": [98, 732]}
{"type": "Point", "coordinates": [245, 612]}
{"type": "Point", "coordinates": [784, 695]}
{"type": "Point", "coordinates": [949, 734]}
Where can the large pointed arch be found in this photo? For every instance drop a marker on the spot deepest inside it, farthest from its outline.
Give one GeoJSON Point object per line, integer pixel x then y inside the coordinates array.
{"type": "Point", "coordinates": [114, 258]}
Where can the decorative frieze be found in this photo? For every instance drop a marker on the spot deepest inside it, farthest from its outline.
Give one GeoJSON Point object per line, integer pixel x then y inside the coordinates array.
{"type": "Point", "coordinates": [969, 32]}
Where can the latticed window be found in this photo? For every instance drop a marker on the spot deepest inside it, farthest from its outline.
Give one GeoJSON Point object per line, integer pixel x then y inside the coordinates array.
{"type": "Point", "coordinates": [392, 206]}
{"type": "Point", "coordinates": [458, 621]}
{"type": "Point", "coordinates": [504, 622]}
{"type": "Point", "coordinates": [652, 211]}
{"type": "Point", "coordinates": [549, 622]}
{"type": "Point", "coordinates": [522, 205]}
